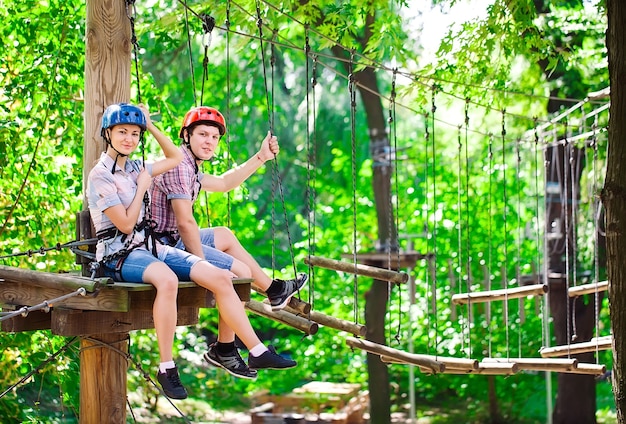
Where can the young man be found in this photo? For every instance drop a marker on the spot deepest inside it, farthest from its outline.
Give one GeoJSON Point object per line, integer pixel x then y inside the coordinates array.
{"type": "Point", "coordinates": [173, 194]}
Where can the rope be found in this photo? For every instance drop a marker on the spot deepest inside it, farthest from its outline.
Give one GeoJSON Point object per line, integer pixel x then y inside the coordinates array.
{"type": "Point", "coordinates": [137, 364]}
{"type": "Point", "coordinates": [505, 203]}
{"type": "Point", "coordinates": [418, 78]}
{"type": "Point", "coordinates": [433, 110]}
{"type": "Point", "coordinates": [311, 143]}
{"type": "Point", "coordinates": [39, 367]}
{"type": "Point", "coordinates": [352, 93]}
{"type": "Point", "coordinates": [393, 226]}
{"type": "Point", "coordinates": [45, 305]}
{"type": "Point", "coordinates": [73, 245]}
{"type": "Point", "coordinates": [189, 51]}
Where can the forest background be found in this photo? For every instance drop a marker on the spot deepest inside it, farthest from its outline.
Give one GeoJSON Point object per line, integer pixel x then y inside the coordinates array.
{"type": "Point", "coordinates": [511, 63]}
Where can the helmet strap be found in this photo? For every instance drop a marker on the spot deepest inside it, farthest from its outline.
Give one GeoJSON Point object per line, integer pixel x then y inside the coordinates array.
{"type": "Point", "coordinates": [108, 141]}
{"type": "Point", "coordinates": [187, 142]}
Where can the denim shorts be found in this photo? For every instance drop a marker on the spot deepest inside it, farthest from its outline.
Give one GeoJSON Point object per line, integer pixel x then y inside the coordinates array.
{"type": "Point", "coordinates": [133, 267]}
{"type": "Point", "coordinates": [213, 255]}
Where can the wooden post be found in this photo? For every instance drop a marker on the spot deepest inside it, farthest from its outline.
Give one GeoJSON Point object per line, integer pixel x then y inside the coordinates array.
{"type": "Point", "coordinates": [107, 70]}
{"type": "Point", "coordinates": [107, 80]}
{"type": "Point", "coordinates": [103, 378]}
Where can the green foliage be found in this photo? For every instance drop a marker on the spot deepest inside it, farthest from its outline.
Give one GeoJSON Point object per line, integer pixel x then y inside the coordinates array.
{"type": "Point", "coordinates": [466, 192]}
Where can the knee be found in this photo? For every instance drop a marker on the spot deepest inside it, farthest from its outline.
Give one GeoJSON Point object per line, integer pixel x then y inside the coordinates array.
{"type": "Point", "coordinates": [167, 284]}
{"type": "Point", "coordinates": [224, 233]}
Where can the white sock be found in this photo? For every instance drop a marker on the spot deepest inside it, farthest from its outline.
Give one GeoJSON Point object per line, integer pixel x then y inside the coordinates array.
{"type": "Point", "coordinates": [166, 366]}
{"type": "Point", "coordinates": [258, 350]}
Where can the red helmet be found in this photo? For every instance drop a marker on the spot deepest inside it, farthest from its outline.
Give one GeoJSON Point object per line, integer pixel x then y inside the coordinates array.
{"type": "Point", "coordinates": [203, 115]}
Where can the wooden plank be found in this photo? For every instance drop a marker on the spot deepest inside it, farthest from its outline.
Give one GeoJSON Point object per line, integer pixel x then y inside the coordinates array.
{"type": "Point", "coordinates": [424, 361]}
{"type": "Point", "coordinates": [539, 364]}
{"type": "Point", "coordinates": [502, 294]}
{"type": "Point", "coordinates": [67, 322]}
{"type": "Point", "coordinates": [600, 343]}
{"type": "Point", "coordinates": [365, 270]}
{"type": "Point", "coordinates": [36, 320]}
{"type": "Point", "coordinates": [308, 327]}
{"type": "Point", "coordinates": [332, 322]}
{"type": "Point", "coordinates": [588, 288]}
{"type": "Point", "coordinates": [188, 297]}
{"type": "Point", "coordinates": [487, 368]}
{"type": "Point", "coordinates": [41, 279]}
{"type": "Point", "coordinates": [408, 259]}
{"type": "Point", "coordinates": [26, 294]}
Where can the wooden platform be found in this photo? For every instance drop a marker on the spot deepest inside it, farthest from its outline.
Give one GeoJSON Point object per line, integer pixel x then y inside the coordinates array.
{"type": "Point", "coordinates": [108, 306]}
{"type": "Point", "coordinates": [315, 402]}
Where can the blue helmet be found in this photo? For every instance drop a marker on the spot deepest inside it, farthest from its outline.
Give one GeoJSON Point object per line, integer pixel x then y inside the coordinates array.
{"type": "Point", "coordinates": [122, 113]}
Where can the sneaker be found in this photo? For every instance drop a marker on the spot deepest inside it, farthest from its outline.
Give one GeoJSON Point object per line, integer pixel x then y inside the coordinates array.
{"type": "Point", "coordinates": [170, 381]}
{"type": "Point", "coordinates": [270, 360]}
{"type": "Point", "coordinates": [233, 363]}
{"type": "Point", "coordinates": [290, 287]}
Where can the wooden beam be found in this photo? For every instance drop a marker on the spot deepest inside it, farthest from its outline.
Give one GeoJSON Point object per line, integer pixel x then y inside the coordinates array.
{"type": "Point", "coordinates": [424, 361]}
{"type": "Point", "coordinates": [588, 288]}
{"type": "Point", "coordinates": [600, 343]}
{"type": "Point", "coordinates": [306, 326]}
{"type": "Point", "coordinates": [332, 322]}
{"type": "Point", "coordinates": [485, 368]}
{"type": "Point", "coordinates": [450, 363]}
{"type": "Point", "coordinates": [27, 294]}
{"type": "Point", "coordinates": [300, 306]}
{"type": "Point", "coordinates": [66, 322]}
{"type": "Point", "coordinates": [49, 279]}
{"type": "Point", "coordinates": [365, 270]}
{"type": "Point", "coordinates": [36, 320]}
{"type": "Point", "coordinates": [493, 295]}
{"type": "Point", "coordinates": [538, 364]}
{"type": "Point", "coordinates": [592, 369]}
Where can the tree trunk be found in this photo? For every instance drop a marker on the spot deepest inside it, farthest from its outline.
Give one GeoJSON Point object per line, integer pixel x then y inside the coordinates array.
{"type": "Point", "coordinates": [614, 197]}
{"type": "Point", "coordinates": [576, 396]}
{"type": "Point", "coordinates": [376, 299]}
{"type": "Point", "coordinates": [107, 80]}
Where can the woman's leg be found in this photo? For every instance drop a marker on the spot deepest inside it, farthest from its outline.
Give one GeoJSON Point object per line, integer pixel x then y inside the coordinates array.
{"type": "Point", "coordinates": [164, 309]}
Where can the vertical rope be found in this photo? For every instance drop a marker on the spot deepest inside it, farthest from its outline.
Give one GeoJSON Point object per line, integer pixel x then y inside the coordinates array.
{"type": "Point", "coordinates": [393, 236]}
{"type": "Point", "coordinates": [352, 90]}
{"type": "Point", "coordinates": [506, 232]}
{"type": "Point", "coordinates": [228, 114]}
{"type": "Point", "coordinates": [434, 268]}
{"type": "Point", "coordinates": [428, 208]}
{"type": "Point", "coordinates": [468, 282]}
{"type": "Point", "coordinates": [311, 140]}
{"type": "Point", "coordinates": [489, 232]}
{"type": "Point", "coordinates": [191, 70]}
{"type": "Point", "coordinates": [520, 235]}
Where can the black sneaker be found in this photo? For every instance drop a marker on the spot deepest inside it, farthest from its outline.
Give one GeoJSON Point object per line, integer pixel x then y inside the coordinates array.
{"type": "Point", "coordinates": [233, 363]}
{"type": "Point", "coordinates": [290, 287]}
{"type": "Point", "coordinates": [270, 360]}
{"type": "Point", "coordinates": [170, 381]}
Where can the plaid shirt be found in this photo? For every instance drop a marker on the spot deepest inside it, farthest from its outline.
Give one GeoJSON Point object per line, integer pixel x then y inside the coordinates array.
{"type": "Point", "coordinates": [182, 182]}
{"type": "Point", "coordinates": [105, 190]}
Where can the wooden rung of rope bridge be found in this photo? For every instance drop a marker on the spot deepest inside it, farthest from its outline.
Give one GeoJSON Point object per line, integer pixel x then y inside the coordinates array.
{"type": "Point", "coordinates": [597, 343]}
{"type": "Point", "coordinates": [588, 288]}
{"type": "Point", "coordinates": [358, 269]}
{"type": "Point", "coordinates": [562, 365]}
{"type": "Point", "coordinates": [502, 294]}
{"type": "Point", "coordinates": [303, 310]}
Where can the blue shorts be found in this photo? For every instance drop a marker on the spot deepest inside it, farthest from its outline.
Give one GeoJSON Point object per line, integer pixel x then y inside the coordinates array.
{"type": "Point", "coordinates": [213, 255]}
{"type": "Point", "coordinates": [134, 265]}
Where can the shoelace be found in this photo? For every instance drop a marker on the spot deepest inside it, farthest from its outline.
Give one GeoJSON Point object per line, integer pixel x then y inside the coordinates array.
{"type": "Point", "coordinates": [232, 361]}
{"type": "Point", "coordinates": [174, 378]}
